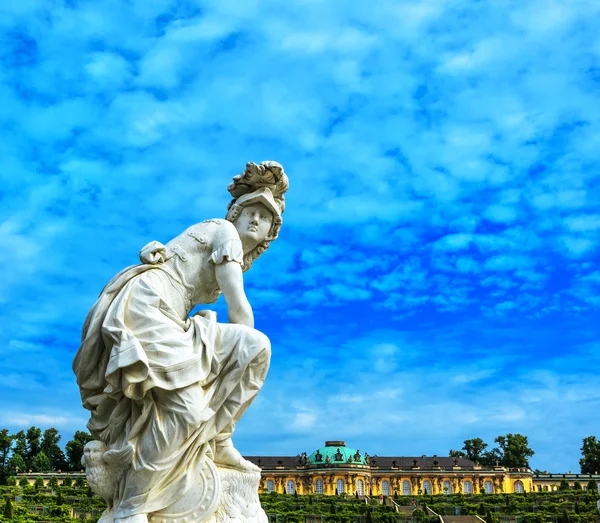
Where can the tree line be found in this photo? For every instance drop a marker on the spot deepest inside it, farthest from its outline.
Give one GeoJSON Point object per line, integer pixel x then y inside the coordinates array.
{"type": "Point", "coordinates": [39, 451]}
{"type": "Point", "coordinates": [512, 451]}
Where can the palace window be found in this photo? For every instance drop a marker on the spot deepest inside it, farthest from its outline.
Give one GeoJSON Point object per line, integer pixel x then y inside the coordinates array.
{"type": "Point", "coordinates": [291, 488]}
{"type": "Point", "coordinates": [427, 487]}
{"type": "Point", "coordinates": [406, 488]}
{"type": "Point", "coordinates": [519, 487]}
{"type": "Point", "coordinates": [447, 487]}
{"type": "Point", "coordinates": [360, 487]}
{"type": "Point", "coordinates": [339, 485]}
{"type": "Point", "coordinates": [488, 487]}
{"type": "Point", "coordinates": [468, 487]}
{"type": "Point", "coordinates": [385, 487]}
{"type": "Point", "coordinates": [319, 487]}
{"type": "Point", "coordinates": [270, 485]}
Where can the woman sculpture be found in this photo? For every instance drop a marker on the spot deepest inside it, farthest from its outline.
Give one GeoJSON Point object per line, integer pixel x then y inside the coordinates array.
{"type": "Point", "coordinates": [165, 390]}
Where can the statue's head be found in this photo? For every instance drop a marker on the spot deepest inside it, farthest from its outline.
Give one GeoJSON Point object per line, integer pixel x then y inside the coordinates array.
{"type": "Point", "coordinates": [92, 453]}
{"type": "Point", "coordinates": [257, 205]}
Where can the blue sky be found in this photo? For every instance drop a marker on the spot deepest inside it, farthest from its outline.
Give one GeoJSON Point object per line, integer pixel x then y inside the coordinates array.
{"type": "Point", "coordinates": [436, 277]}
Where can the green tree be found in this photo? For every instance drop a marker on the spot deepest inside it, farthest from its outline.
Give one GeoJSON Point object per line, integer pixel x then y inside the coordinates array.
{"type": "Point", "coordinates": [8, 512]}
{"type": "Point", "coordinates": [577, 486]}
{"type": "Point", "coordinates": [592, 486]}
{"type": "Point", "coordinates": [39, 482]}
{"type": "Point", "coordinates": [15, 465]}
{"type": "Point", "coordinates": [23, 482]}
{"type": "Point", "coordinates": [49, 446]}
{"type": "Point", "coordinates": [20, 443]}
{"type": "Point", "coordinates": [488, 517]}
{"type": "Point", "coordinates": [369, 517]}
{"type": "Point", "coordinates": [68, 482]}
{"type": "Point", "coordinates": [34, 444]}
{"type": "Point", "coordinates": [590, 461]}
{"type": "Point", "coordinates": [41, 463]}
{"type": "Point", "coordinates": [5, 444]}
{"type": "Point", "coordinates": [491, 458]}
{"type": "Point", "coordinates": [11, 481]}
{"type": "Point", "coordinates": [74, 449]}
{"type": "Point", "coordinates": [565, 517]}
{"type": "Point", "coordinates": [513, 450]}
{"type": "Point", "coordinates": [475, 448]}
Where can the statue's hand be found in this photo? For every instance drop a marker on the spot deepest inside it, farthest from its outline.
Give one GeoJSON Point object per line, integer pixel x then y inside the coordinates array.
{"type": "Point", "coordinates": [207, 314]}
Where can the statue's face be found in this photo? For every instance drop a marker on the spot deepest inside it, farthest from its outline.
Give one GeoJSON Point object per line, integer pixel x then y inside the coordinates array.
{"type": "Point", "coordinates": [92, 452]}
{"type": "Point", "coordinates": [253, 225]}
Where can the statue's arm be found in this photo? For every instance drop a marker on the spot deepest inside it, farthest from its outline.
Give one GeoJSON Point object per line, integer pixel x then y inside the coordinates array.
{"type": "Point", "coordinates": [231, 282]}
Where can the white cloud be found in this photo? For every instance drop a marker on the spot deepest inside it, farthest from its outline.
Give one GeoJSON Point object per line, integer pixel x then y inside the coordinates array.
{"type": "Point", "coordinates": [26, 419]}
{"type": "Point", "coordinates": [501, 213]}
{"type": "Point", "coordinates": [578, 246]}
{"type": "Point", "coordinates": [583, 223]}
{"type": "Point", "coordinates": [508, 263]}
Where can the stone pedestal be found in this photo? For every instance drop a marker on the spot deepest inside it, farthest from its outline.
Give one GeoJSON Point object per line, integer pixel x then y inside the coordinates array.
{"type": "Point", "coordinates": [220, 495]}
{"type": "Point", "coordinates": [239, 501]}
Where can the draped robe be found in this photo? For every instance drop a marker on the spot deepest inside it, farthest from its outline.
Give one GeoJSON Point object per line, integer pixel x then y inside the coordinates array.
{"type": "Point", "coordinates": [170, 385]}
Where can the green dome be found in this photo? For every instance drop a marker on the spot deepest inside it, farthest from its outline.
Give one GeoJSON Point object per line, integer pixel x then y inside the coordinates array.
{"type": "Point", "coordinates": [338, 453]}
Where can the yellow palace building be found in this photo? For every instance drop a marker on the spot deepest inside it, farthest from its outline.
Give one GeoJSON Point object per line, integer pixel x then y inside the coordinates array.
{"type": "Point", "coordinates": [336, 469]}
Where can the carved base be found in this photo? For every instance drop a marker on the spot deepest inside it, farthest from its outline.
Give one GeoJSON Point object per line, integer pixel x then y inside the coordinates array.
{"type": "Point", "coordinates": [220, 495]}
{"type": "Point", "coordinates": [239, 501]}
{"type": "Point", "coordinates": [198, 504]}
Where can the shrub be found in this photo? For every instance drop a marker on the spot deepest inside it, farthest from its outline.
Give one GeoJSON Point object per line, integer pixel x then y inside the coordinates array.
{"type": "Point", "coordinates": [23, 482]}
{"type": "Point", "coordinates": [39, 482]}
{"type": "Point", "coordinates": [8, 512]}
{"type": "Point", "coordinates": [564, 485]}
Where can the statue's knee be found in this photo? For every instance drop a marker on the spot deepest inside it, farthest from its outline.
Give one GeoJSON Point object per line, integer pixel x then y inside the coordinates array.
{"type": "Point", "coordinates": [262, 343]}
{"type": "Point", "coordinates": [261, 340]}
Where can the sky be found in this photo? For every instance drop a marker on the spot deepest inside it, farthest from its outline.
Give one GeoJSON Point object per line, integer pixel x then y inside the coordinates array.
{"type": "Point", "coordinates": [436, 277]}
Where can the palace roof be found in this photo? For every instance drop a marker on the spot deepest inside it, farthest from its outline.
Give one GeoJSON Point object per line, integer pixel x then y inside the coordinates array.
{"type": "Point", "coordinates": [336, 453]}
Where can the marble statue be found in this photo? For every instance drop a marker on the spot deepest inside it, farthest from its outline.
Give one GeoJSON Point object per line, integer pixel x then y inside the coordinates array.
{"type": "Point", "coordinates": [166, 389]}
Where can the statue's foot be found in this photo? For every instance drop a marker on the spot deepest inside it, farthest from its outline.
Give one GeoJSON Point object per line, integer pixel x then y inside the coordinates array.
{"type": "Point", "coordinates": [228, 456]}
